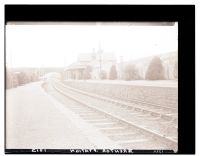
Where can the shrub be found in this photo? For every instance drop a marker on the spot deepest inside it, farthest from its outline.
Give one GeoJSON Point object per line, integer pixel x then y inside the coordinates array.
{"type": "Point", "coordinates": [113, 73]}
{"type": "Point", "coordinates": [155, 70]}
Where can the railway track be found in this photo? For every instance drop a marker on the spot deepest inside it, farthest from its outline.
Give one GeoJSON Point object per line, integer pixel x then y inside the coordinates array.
{"type": "Point", "coordinates": [165, 113]}
{"type": "Point", "coordinates": [139, 101]}
{"type": "Point", "coordinates": [128, 126]}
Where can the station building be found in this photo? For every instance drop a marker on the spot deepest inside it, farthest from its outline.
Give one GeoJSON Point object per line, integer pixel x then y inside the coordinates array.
{"type": "Point", "coordinates": [91, 64]}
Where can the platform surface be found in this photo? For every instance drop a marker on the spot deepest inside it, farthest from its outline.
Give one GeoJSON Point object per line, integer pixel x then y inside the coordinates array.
{"type": "Point", "coordinates": [33, 121]}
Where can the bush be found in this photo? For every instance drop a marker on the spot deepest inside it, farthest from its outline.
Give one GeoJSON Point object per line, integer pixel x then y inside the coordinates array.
{"type": "Point", "coordinates": [131, 72]}
{"type": "Point", "coordinates": [155, 71]}
{"type": "Point", "coordinates": [113, 73]}
{"type": "Point", "coordinates": [11, 80]}
{"type": "Point", "coordinates": [23, 78]}
{"type": "Point", "coordinates": [16, 78]}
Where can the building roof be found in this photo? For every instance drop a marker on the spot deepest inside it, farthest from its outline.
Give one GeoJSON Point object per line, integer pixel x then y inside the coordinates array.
{"type": "Point", "coordinates": [75, 66]}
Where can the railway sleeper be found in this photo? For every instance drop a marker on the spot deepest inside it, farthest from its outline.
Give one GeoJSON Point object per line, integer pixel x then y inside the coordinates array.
{"type": "Point", "coordinates": [127, 137]}
{"type": "Point", "coordinates": [167, 117]}
{"type": "Point", "coordinates": [116, 130]}
{"type": "Point", "coordinates": [147, 132]}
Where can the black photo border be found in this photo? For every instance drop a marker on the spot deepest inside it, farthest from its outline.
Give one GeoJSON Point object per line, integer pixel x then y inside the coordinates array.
{"type": "Point", "coordinates": [183, 14]}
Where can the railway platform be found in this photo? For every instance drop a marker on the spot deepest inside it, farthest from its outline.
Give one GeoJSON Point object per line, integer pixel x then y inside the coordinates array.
{"type": "Point", "coordinates": [34, 121]}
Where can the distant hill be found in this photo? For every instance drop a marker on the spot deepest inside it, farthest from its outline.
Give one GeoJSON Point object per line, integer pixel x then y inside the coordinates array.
{"type": "Point", "coordinates": [45, 70]}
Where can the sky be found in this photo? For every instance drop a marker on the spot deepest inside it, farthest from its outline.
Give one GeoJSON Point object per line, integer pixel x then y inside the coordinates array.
{"type": "Point", "coordinates": [58, 44]}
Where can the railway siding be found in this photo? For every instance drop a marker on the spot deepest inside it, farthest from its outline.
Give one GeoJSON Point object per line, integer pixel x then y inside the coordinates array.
{"type": "Point", "coordinates": [158, 95]}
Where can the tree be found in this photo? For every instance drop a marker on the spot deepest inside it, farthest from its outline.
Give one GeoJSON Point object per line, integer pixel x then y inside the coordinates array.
{"type": "Point", "coordinates": [15, 81]}
{"type": "Point", "coordinates": [131, 72]}
{"type": "Point", "coordinates": [103, 75]}
{"type": "Point", "coordinates": [113, 73]}
{"type": "Point", "coordinates": [33, 76]}
{"type": "Point", "coordinates": [176, 70]}
{"type": "Point", "coordinates": [155, 70]}
{"type": "Point", "coordinates": [9, 80]}
{"type": "Point", "coordinates": [23, 78]}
